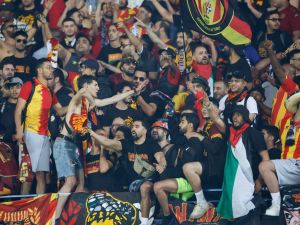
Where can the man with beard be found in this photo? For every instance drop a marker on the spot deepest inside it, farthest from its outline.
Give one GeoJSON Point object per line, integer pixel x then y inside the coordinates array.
{"type": "Point", "coordinates": [220, 90]}
{"type": "Point", "coordinates": [148, 151]}
{"type": "Point", "coordinates": [128, 68]}
{"type": "Point", "coordinates": [201, 61]}
{"type": "Point", "coordinates": [159, 133]}
{"type": "Point", "coordinates": [123, 108]}
{"type": "Point", "coordinates": [24, 64]}
{"type": "Point", "coordinates": [7, 68]}
{"type": "Point", "coordinates": [67, 160]}
{"type": "Point", "coordinates": [189, 150]}
{"type": "Point", "coordinates": [7, 46]}
{"type": "Point", "coordinates": [272, 32]}
{"type": "Point", "coordinates": [36, 103]}
{"type": "Point", "coordinates": [207, 171]}
{"type": "Point", "coordinates": [245, 148]}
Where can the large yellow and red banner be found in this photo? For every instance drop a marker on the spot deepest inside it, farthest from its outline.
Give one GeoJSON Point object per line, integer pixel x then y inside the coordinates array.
{"type": "Point", "coordinates": [34, 211]}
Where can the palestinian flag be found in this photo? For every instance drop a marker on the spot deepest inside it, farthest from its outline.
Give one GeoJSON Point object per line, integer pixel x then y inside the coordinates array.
{"type": "Point", "coordinates": [217, 19]}
{"type": "Point", "coordinates": [238, 183]}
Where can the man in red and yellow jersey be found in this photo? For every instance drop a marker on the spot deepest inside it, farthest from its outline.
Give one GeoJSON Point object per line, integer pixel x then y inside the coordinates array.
{"type": "Point", "coordinates": [284, 171]}
{"type": "Point", "coordinates": [35, 131]}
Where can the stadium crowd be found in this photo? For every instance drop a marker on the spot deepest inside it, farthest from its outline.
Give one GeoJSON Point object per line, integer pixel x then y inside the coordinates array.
{"type": "Point", "coordinates": [136, 102]}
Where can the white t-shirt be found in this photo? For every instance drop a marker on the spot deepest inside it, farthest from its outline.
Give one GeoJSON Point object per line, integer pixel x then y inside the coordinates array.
{"type": "Point", "coordinates": [251, 105]}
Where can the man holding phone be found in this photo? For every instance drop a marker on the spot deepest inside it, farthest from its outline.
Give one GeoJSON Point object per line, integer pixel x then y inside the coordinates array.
{"type": "Point", "coordinates": [169, 79]}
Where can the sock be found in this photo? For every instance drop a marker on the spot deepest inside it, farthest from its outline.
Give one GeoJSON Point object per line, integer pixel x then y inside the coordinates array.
{"type": "Point", "coordinates": [144, 220]}
{"type": "Point", "coordinates": [276, 197]}
{"type": "Point", "coordinates": [200, 197]}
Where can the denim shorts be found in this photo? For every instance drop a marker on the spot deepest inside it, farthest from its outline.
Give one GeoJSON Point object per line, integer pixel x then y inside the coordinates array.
{"type": "Point", "coordinates": [66, 158]}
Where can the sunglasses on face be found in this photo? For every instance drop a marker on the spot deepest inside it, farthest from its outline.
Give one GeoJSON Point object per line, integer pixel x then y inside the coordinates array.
{"type": "Point", "coordinates": [21, 40]}
{"type": "Point", "coordinates": [139, 78]}
{"type": "Point", "coordinates": [275, 20]}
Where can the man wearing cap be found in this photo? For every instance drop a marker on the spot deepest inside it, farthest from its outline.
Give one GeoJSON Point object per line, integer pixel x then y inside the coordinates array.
{"type": "Point", "coordinates": [245, 148]}
{"type": "Point", "coordinates": [128, 68]}
{"type": "Point", "coordinates": [238, 95]}
{"type": "Point", "coordinates": [8, 107]}
{"type": "Point", "coordinates": [159, 133]}
{"type": "Point", "coordinates": [169, 79]}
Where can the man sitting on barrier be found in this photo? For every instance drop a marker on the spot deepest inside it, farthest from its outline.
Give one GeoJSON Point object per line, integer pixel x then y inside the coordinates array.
{"type": "Point", "coordinates": [284, 171]}
{"type": "Point", "coordinates": [173, 180]}
{"type": "Point", "coordinates": [206, 171]}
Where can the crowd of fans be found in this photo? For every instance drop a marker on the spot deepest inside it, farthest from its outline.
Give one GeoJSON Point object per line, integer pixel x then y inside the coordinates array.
{"type": "Point", "coordinates": [139, 103]}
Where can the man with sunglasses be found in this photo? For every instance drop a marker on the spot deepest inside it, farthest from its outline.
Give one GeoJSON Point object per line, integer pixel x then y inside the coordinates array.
{"type": "Point", "coordinates": [24, 64]}
{"type": "Point", "coordinates": [271, 31]}
{"type": "Point", "coordinates": [128, 68]}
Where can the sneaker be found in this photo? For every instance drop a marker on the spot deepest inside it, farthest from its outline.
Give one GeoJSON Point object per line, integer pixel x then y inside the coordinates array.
{"type": "Point", "coordinates": [273, 210]}
{"type": "Point", "coordinates": [199, 210]}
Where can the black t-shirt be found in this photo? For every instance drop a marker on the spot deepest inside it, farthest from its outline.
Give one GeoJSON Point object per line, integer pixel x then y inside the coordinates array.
{"type": "Point", "coordinates": [110, 55]}
{"type": "Point", "coordinates": [242, 66]}
{"type": "Point", "coordinates": [146, 151]}
{"type": "Point", "coordinates": [281, 41]}
{"type": "Point", "coordinates": [29, 17]}
{"type": "Point", "coordinates": [254, 143]}
{"type": "Point", "coordinates": [129, 115]}
{"type": "Point", "coordinates": [63, 96]}
{"type": "Point", "coordinates": [25, 67]}
{"type": "Point", "coordinates": [7, 121]}
{"type": "Point", "coordinates": [95, 179]}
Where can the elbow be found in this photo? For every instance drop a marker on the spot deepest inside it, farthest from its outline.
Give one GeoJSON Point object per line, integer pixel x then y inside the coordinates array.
{"type": "Point", "coordinates": [103, 169]}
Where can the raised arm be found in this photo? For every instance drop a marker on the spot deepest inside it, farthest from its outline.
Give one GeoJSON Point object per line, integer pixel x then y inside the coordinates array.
{"type": "Point", "coordinates": [162, 11]}
{"type": "Point", "coordinates": [119, 97]}
{"type": "Point", "coordinates": [106, 142]}
{"type": "Point", "coordinates": [278, 69]}
{"type": "Point", "coordinates": [151, 34]}
{"type": "Point", "coordinates": [214, 115]}
{"type": "Point", "coordinates": [138, 44]}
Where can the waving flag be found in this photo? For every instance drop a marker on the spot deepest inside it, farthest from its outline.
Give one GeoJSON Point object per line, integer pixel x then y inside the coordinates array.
{"type": "Point", "coordinates": [217, 19]}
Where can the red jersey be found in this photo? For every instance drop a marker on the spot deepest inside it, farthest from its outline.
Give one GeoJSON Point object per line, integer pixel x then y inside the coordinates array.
{"type": "Point", "coordinates": [290, 20]}
{"type": "Point", "coordinates": [38, 109]}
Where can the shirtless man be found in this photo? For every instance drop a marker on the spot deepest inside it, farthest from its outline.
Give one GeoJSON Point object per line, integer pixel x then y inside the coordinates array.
{"type": "Point", "coordinates": [64, 150]}
{"type": "Point", "coordinates": [7, 46]}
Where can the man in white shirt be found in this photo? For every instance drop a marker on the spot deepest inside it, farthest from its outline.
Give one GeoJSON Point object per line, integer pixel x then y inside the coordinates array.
{"type": "Point", "coordinates": [237, 95]}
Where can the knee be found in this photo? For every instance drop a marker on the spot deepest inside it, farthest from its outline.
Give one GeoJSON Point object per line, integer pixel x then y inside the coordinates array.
{"type": "Point", "coordinates": [157, 187]}
{"type": "Point", "coordinates": [40, 176]}
{"type": "Point", "coordinates": [145, 189]}
{"type": "Point", "coordinates": [71, 182]}
{"type": "Point", "coordinates": [265, 166]}
{"type": "Point", "coordinates": [187, 168]}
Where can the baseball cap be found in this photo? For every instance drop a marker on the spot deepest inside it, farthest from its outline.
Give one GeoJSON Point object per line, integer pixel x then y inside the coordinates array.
{"type": "Point", "coordinates": [127, 59]}
{"type": "Point", "coordinates": [236, 74]}
{"type": "Point", "coordinates": [161, 124]}
{"type": "Point", "coordinates": [90, 63]}
{"type": "Point", "coordinates": [14, 80]}
{"type": "Point", "coordinates": [170, 49]}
